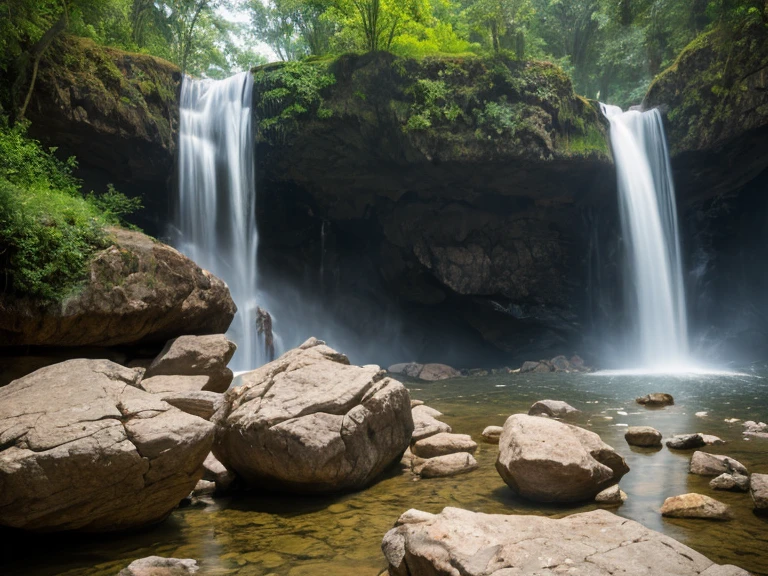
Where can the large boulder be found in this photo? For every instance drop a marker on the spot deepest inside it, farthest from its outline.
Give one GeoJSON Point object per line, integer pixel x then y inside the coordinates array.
{"type": "Point", "coordinates": [83, 448]}
{"type": "Point", "coordinates": [643, 436]}
{"type": "Point", "coordinates": [196, 356]}
{"type": "Point", "coordinates": [705, 464]}
{"type": "Point", "coordinates": [434, 372]}
{"type": "Point", "coordinates": [138, 290]}
{"type": "Point", "coordinates": [593, 543]}
{"type": "Point", "coordinates": [310, 422]}
{"type": "Point", "coordinates": [550, 461]}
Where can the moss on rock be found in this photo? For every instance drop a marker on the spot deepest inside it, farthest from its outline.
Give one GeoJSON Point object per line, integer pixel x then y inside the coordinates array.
{"type": "Point", "coordinates": [451, 108]}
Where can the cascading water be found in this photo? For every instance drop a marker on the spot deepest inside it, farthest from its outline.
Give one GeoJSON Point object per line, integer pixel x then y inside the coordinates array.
{"type": "Point", "coordinates": [216, 217]}
{"type": "Point", "coordinates": [649, 225]}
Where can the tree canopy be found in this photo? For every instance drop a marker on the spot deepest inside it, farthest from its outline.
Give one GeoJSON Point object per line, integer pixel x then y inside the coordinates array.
{"type": "Point", "coordinates": [611, 48]}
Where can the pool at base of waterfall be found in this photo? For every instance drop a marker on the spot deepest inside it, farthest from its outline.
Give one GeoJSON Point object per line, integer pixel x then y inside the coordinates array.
{"type": "Point", "coordinates": [258, 533]}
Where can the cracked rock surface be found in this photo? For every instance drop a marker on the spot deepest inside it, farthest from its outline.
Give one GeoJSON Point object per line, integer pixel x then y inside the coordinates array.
{"type": "Point", "coordinates": [83, 448]}
{"type": "Point", "coordinates": [598, 543]}
{"type": "Point", "coordinates": [311, 422]}
{"type": "Point", "coordinates": [549, 461]}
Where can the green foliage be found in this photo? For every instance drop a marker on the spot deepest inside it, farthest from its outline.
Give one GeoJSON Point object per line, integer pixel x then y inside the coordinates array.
{"type": "Point", "coordinates": [498, 118]}
{"type": "Point", "coordinates": [48, 230]}
{"type": "Point", "coordinates": [115, 206]}
{"type": "Point", "coordinates": [289, 92]}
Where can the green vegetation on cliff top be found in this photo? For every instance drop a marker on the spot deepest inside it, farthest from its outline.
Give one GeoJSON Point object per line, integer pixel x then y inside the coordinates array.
{"type": "Point", "coordinates": [48, 228]}
{"type": "Point", "coordinates": [465, 102]}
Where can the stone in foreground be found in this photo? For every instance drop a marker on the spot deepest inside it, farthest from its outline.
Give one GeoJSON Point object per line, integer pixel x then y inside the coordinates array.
{"type": "Point", "coordinates": [159, 566]}
{"type": "Point", "coordinates": [310, 422]}
{"type": "Point", "coordinates": [735, 482]}
{"type": "Point", "coordinates": [491, 434]}
{"type": "Point", "coordinates": [705, 464]}
{"type": "Point", "coordinates": [695, 506]}
{"type": "Point", "coordinates": [643, 436]}
{"type": "Point", "coordinates": [656, 399]}
{"type": "Point", "coordinates": [448, 465]}
{"type": "Point", "coordinates": [686, 442]}
{"type": "Point", "coordinates": [549, 461]}
{"type": "Point", "coordinates": [759, 491]}
{"type": "Point", "coordinates": [553, 409]}
{"type": "Point", "coordinates": [596, 543]}
{"type": "Point", "coordinates": [442, 444]}
{"type": "Point", "coordinates": [84, 449]}
{"type": "Point", "coordinates": [196, 356]}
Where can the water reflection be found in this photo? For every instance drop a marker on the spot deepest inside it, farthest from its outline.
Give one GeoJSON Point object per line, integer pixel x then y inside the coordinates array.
{"type": "Point", "coordinates": [263, 534]}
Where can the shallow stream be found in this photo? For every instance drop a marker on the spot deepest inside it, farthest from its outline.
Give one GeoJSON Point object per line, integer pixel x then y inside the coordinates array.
{"type": "Point", "coordinates": [259, 535]}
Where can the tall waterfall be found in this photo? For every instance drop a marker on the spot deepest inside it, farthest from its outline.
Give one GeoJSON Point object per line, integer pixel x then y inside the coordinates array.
{"type": "Point", "coordinates": [649, 225]}
{"type": "Point", "coordinates": [216, 217]}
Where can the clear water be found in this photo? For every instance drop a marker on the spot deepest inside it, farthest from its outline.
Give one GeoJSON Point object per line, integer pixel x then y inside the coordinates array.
{"type": "Point", "coordinates": [264, 534]}
{"type": "Point", "coordinates": [216, 219]}
{"type": "Point", "coordinates": [650, 234]}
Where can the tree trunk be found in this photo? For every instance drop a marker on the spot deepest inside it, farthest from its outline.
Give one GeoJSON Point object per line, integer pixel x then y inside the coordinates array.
{"type": "Point", "coordinates": [35, 54]}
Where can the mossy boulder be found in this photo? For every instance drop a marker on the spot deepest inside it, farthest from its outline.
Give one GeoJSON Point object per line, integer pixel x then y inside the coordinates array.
{"type": "Point", "coordinates": [715, 99]}
{"type": "Point", "coordinates": [138, 291]}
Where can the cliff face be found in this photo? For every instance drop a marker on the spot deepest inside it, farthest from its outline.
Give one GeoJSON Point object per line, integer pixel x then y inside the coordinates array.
{"type": "Point", "coordinates": [116, 112]}
{"type": "Point", "coordinates": [715, 99]}
{"type": "Point", "coordinates": [467, 180]}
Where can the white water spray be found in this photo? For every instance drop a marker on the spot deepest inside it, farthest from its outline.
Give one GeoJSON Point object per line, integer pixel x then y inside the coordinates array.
{"type": "Point", "coordinates": [649, 225]}
{"type": "Point", "coordinates": [216, 217]}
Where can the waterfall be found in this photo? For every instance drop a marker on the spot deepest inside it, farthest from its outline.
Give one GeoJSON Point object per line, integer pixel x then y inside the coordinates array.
{"type": "Point", "coordinates": [649, 227]}
{"type": "Point", "coordinates": [216, 216]}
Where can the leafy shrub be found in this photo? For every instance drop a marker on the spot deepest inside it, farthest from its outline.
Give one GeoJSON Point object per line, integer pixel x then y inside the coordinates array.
{"type": "Point", "coordinates": [48, 229]}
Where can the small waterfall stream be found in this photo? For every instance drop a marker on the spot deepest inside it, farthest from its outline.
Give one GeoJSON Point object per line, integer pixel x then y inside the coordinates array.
{"type": "Point", "coordinates": [649, 225]}
{"type": "Point", "coordinates": [216, 217]}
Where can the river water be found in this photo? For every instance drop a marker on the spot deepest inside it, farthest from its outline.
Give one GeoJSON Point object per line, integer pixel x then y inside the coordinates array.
{"type": "Point", "coordinates": [264, 534]}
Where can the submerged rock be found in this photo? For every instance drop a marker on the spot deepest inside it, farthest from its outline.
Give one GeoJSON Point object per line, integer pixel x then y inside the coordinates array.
{"type": "Point", "coordinates": [196, 356]}
{"type": "Point", "coordinates": [159, 566]}
{"type": "Point", "coordinates": [696, 506]}
{"type": "Point", "coordinates": [705, 464]}
{"type": "Point", "coordinates": [549, 461]}
{"type": "Point", "coordinates": [656, 399]}
{"type": "Point", "coordinates": [759, 491]}
{"type": "Point", "coordinates": [643, 436]}
{"type": "Point", "coordinates": [491, 434]}
{"type": "Point", "coordinates": [446, 465]}
{"type": "Point", "coordinates": [138, 291]}
{"type": "Point", "coordinates": [553, 409]}
{"type": "Point", "coordinates": [442, 444]}
{"type": "Point", "coordinates": [734, 481]}
{"type": "Point", "coordinates": [311, 422]}
{"type": "Point", "coordinates": [590, 543]}
{"type": "Point", "coordinates": [84, 449]}
{"type": "Point", "coordinates": [685, 442]}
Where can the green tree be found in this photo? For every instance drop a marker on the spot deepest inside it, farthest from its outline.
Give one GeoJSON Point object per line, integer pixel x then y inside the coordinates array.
{"type": "Point", "coordinates": [503, 22]}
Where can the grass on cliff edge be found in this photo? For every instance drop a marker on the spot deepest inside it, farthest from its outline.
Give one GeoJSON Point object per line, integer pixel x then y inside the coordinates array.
{"type": "Point", "coordinates": [48, 228]}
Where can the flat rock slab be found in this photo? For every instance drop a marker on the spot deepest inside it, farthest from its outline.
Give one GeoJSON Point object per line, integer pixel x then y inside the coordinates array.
{"type": "Point", "coordinates": [553, 409]}
{"type": "Point", "coordinates": [759, 491]}
{"type": "Point", "coordinates": [695, 506]}
{"type": "Point", "coordinates": [549, 461]}
{"type": "Point", "coordinates": [201, 404]}
{"type": "Point", "coordinates": [705, 464]}
{"type": "Point", "coordinates": [656, 399]}
{"type": "Point", "coordinates": [311, 422]}
{"type": "Point", "coordinates": [448, 465]}
{"type": "Point", "coordinates": [442, 444]}
{"type": "Point", "coordinates": [82, 448]}
{"type": "Point", "coordinates": [159, 566]}
{"type": "Point", "coordinates": [643, 436]}
{"type": "Point", "coordinates": [596, 543]}
{"type": "Point", "coordinates": [491, 434]}
{"type": "Point", "coordinates": [425, 424]}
